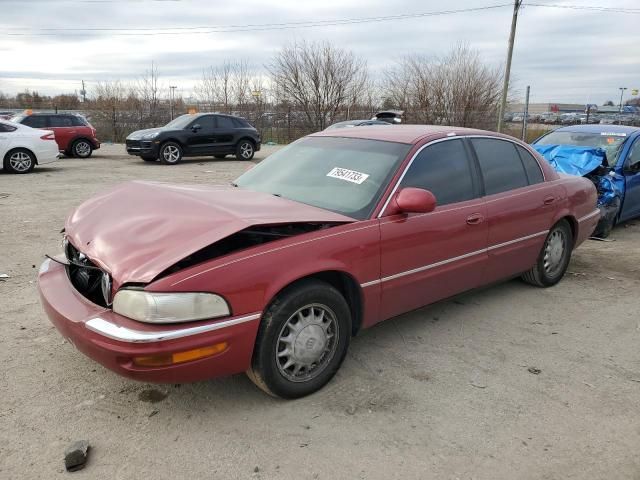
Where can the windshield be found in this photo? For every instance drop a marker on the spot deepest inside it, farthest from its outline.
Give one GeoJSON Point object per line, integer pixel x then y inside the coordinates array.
{"type": "Point", "coordinates": [344, 175]}
{"type": "Point", "coordinates": [609, 142]}
{"type": "Point", "coordinates": [181, 121]}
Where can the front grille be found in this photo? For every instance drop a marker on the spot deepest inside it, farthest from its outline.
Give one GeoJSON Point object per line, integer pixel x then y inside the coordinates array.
{"type": "Point", "coordinates": [133, 143]}
{"type": "Point", "coordinates": [86, 277]}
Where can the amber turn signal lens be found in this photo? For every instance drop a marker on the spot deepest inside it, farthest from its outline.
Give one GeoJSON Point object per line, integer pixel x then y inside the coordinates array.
{"type": "Point", "coordinates": [180, 357]}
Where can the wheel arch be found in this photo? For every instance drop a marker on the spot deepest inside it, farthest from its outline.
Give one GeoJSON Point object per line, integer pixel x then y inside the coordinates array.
{"type": "Point", "coordinates": [6, 155]}
{"type": "Point", "coordinates": [246, 137]}
{"type": "Point", "coordinates": [342, 281]}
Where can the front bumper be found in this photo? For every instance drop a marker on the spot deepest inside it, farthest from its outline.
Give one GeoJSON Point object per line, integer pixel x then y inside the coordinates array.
{"type": "Point", "coordinates": [146, 148]}
{"type": "Point", "coordinates": [113, 340]}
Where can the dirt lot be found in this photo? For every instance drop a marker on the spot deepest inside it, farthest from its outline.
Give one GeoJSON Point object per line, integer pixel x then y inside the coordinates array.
{"type": "Point", "coordinates": [442, 393]}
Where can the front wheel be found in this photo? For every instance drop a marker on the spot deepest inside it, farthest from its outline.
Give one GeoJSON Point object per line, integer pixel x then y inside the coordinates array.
{"type": "Point", "coordinates": [19, 161]}
{"type": "Point", "coordinates": [245, 150]}
{"type": "Point", "coordinates": [554, 257]}
{"type": "Point", "coordinates": [82, 148]}
{"type": "Point", "coordinates": [170, 153]}
{"type": "Point", "coordinates": [302, 340]}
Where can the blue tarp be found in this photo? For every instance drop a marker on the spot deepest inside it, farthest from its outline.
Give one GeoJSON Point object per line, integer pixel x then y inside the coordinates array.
{"type": "Point", "coordinates": [572, 160]}
{"type": "Point", "coordinates": [581, 161]}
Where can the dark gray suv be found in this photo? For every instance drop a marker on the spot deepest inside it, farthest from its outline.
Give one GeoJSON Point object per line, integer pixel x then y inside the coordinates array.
{"type": "Point", "coordinates": [196, 135]}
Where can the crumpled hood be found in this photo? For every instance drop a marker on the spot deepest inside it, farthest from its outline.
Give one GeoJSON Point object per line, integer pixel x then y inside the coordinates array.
{"type": "Point", "coordinates": [137, 230]}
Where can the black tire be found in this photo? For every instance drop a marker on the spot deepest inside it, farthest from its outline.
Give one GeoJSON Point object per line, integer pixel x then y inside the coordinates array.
{"type": "Point", "coordinates": [552, 264]}
{"type": "Point", "coordinates": [245, 149]}
{"type": "Point", "coordinates": [82, 148]}
{"type": "Point", "coordinates": [267, 365]}
{"type": "Point", "coordinates": [220, 157]}
{"type": "Point", "coordinates": [608, 219]}
{"type": "Point", "coordinates": [19, 160]}
{"type": "Point", "coordinates": [149, 159]}
{"type": "Point", "coordinates": [170, 153]}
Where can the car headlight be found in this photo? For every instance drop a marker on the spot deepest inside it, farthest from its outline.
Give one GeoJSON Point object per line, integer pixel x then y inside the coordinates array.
{"type": "Point", "coordinates": [149, 136]}
{"type": "Point", "coordinates": [156, 307]}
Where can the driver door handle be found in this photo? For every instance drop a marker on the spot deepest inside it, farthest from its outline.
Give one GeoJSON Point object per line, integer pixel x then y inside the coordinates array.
{"type": "Point", "coordinates": [475, 219]}
{"type": "Point", "coordinates": [549, 200]}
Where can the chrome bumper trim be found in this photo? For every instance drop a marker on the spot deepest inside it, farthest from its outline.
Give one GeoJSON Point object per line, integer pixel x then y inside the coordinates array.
{"type": "Point", "coordinates": [590, 215]}
{"type": "Point", "coordinates": [124, 334]}
{"type": "Point", "coordinates": [453, 259]}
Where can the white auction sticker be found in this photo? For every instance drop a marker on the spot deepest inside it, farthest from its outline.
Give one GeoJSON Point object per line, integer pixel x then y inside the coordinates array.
{"type": "Point", "coordinates": [613, 134]}
{"type": "Point", "coordinates": [348, 175]}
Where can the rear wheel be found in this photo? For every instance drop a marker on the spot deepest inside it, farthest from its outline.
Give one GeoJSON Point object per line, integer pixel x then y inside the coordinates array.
{"type": "Point", "coordinates": [245, 150]}
{"type": "Point", "coordinates": [302, 340]}
{"type": "Point", "coordinates": [82, 148]}
{"type": "Point", "coordinates": [19, 160]}
{"type": "Point", "coordinates": [170, 153]}
{"type": "Point", "coordinates": [554, 257]}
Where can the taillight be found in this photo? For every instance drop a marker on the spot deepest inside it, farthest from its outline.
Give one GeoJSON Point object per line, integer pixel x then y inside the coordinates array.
{"type": "Point", "coordinates": [48, 136]}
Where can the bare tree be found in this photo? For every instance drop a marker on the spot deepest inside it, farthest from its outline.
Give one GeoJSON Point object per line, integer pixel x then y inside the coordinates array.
{"type": "Point", "coordinates": [454, 89]}
{"type": "Point", "coordinates": [317, 79]}
{"type": "Point", "coordinates": [148, 90]}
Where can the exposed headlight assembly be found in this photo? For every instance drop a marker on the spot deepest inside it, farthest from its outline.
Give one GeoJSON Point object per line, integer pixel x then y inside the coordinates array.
{"type": "Point", "coordinates": [156, 307]}
{"type": "Point", "coordinates": [149, 136]}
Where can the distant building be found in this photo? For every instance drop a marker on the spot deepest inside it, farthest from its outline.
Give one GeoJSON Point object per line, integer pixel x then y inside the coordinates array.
{"type": "Point", "coordinates": [568, 108]}
{"type": "Point", "coordinates": [547, 107]}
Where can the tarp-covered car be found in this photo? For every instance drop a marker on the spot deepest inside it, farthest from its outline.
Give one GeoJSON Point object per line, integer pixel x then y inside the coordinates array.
{"type": "Point", "coordinates": [609, 156]}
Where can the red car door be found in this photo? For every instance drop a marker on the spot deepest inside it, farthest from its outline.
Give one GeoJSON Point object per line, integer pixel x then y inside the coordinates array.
{"type": "Point", "coordinates": [431, 256]}
{"type": "Point", "coordinates": [520, 205]}
{"type": "Point", "coordinates": [62, 126]}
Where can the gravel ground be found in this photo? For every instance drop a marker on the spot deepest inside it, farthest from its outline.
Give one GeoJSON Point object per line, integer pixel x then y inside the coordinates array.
{"type": "Point", "coordinates": [445, 392]}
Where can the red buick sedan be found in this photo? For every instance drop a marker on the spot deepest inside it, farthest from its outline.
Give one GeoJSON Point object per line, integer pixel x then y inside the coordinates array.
{"type": "Point", "coordinates": [334, 233]}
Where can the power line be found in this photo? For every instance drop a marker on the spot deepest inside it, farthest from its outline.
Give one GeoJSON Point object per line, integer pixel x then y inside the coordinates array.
{"type": "Point", "coordinates": [144, 31]}
{"type": "Point", "coordinates": [587, 8]}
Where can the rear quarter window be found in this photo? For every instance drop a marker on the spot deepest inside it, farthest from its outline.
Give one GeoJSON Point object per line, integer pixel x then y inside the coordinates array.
{"type": "Point", "coordinates": [531, 166]}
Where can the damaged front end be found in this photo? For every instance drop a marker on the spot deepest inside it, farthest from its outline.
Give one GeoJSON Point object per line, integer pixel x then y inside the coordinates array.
{"type": "Point", "coordinates": [591, 163]}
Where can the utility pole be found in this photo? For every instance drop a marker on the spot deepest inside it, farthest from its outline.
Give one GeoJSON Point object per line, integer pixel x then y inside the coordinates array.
{"type": "Point", "coordinates": [622, 89]}
{"type": "Point", "coordinates": [505, 87]}
{"type": "Point", "coordinates": [83, 92]}
{"type": "Point", "coordinates": [171, 90]}
{"type": "Point", "coordinates": [525, 118]}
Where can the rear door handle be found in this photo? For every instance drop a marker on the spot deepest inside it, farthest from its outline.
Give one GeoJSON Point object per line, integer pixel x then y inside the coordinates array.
{"type": "Point", "coordinates": [549, 200]}
{"type": "Point", "coordinates": [475, 218]}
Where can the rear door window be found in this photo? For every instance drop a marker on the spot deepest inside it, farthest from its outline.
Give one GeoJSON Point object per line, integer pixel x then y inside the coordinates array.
{"type": "Point", "coordinates": [226, 122]}
{"type": "Point", "coordinates": [500, 164]}
{"type": "Point", "coordinates": [445, 170]}
{"type": "Point", "coordinates": [60, 121]}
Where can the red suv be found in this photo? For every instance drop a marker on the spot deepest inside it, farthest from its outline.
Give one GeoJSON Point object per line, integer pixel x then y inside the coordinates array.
{"type": "Point", "coordinates": [74, 134]}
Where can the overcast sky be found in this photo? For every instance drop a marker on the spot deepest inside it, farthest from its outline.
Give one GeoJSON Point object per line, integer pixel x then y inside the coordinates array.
{"type": "Point", "coordinates": [565, 55]}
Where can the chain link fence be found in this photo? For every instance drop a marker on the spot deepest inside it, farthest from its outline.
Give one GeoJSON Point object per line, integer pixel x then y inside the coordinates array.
{"type": "Point", "coordinates": [284, 124]}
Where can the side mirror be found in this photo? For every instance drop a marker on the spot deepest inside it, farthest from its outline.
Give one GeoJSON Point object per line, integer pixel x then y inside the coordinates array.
{"type": "Point", "coordinates": [413, 200]}
{"type": "Point", "coordinates": [196, 127]}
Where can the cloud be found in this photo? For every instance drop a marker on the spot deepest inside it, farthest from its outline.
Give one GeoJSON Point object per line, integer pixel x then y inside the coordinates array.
{"type": "Point", "coordinates": [565, 55]}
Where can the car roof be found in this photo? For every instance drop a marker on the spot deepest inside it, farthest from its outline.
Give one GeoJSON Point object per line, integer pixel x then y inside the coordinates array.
{"type": "Point", "coordinates": [599, 129]}
{"type": "Point", "coordinates": [409, 134]}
